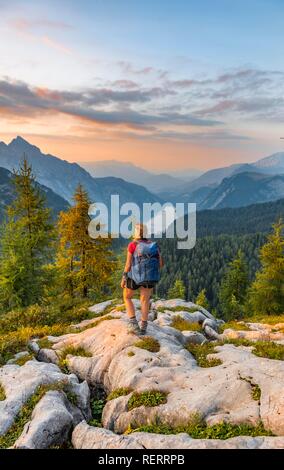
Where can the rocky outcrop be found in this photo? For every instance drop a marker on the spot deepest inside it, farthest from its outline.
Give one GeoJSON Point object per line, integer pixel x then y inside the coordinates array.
{"type": "Point", "coordinates": [88, 437]}
{"type": "Point", "coordinates": [50, 425]}
{"type": "Point", "coordinates": [117, 359]}
{"type": "Point", "coordinates": [221, 393]}
{"type": "Point", "coordinates": [22, 382]}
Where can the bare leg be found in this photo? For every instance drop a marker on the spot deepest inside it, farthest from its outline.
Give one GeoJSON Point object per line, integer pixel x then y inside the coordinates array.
{"type": "Point", "coordinates": [145, 295]}
{"type": "Point", "coordinates": [130, 309]}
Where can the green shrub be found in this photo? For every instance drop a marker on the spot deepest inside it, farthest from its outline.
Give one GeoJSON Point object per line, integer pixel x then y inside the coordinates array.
{"type": "Point", "coordinates": [199, 430]}
{"type": "Point", "coordinates": [45, 315]}
{"type": "Point", "coordinates": [119, 392]}
{"type": "Point", "coordinates": [148, 398]}
{"type": "Point", "coordinates": [269, 319]}
{"type": "Point", "coordinates": [265, 349]}
{"type": "Point", "coordinates": [179, 308]}
{"type": "Point", "coordinates": [149, 343]}
{"type": "Point", "coordinates": [97, 406]}
{"type": "Point", "coordinates": [256, 392]}
{"type": "Point", "coordinates": [234, 325]}
{"type": "Point", "coordinates": [13, 342]}
{"type": "Point", "coordinates": [44, 343]}
{"type": "Point", "coordinates": [2, 393]}
{"type": "Point", "coordinates": [182, 325]}
{"type": "Point", "coordinates": [269, 349]}
{"type": "Point", "coordinates": [131, 353]}
{"type": "Point", "coordinates": [200, 353]}
{"type": "Point", "coordinates": [73, 351]}
{"type": "Point", "coordinates": [72, 397]}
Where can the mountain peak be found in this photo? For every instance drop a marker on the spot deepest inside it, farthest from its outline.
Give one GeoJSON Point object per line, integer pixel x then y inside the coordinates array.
{"type": "Point", "coordinates": [22, 145]}
{"type": "Point", "coordinates": [19, 140]}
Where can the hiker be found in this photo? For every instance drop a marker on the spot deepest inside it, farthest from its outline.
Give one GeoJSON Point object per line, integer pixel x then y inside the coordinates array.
{"type": "Point", "coordinates": [142, 271]}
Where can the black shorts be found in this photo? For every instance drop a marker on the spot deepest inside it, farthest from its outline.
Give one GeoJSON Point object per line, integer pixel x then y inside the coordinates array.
{"type": "Point", "coordinates": [130, 284]}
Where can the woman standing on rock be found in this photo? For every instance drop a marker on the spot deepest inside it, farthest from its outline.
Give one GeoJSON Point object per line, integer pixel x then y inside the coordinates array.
{"type": "Point", "coordinates": [142, 271]}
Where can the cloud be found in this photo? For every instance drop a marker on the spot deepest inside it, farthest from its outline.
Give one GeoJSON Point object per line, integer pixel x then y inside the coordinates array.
{"type": "Point", "coordinates": [129, 68]}
{"type": "Point", "coordinates": [32, 30]}
{"type": "Point", "coordinates": [196, 137]}
{"type": "Point", "coordinates": [258, 108]}
{"type": "Point", "coordinates": [22, 99]}
{"type": "Point", "coordinates": [128, 84]}
{"type": "Point", "coordinates": [249, 77]}
{"type": "Point", "coordinates": [56, 45]}
{"type": "Point", "coordinates": [27, 24]}
{"type": "Point", "coordinates": [248, 93]}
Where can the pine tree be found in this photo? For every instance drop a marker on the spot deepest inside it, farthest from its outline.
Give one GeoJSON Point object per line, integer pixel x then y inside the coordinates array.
{"type": "Point", "coordinates": [177, 291]}
{"type": "Point", "coordinates": [201, 299]}
{"type": "Point", "coordinates": [85, 265]}
{"type": "Point", "coordinates": [27, 235]}
{"type": "Point", "coordinates": [233, 288]}
{"type": "Point", "coordinates": [266, 295]}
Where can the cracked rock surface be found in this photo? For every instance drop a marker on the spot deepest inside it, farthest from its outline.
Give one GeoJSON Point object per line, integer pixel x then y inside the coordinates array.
{"type": "Point", "coordinates": [115, 360]}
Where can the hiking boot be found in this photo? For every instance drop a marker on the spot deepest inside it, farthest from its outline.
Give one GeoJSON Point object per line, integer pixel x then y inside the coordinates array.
{"type": "Point", "coordinates": [133, 326]}
{"type": "Point", "coordinates": [143, 327]}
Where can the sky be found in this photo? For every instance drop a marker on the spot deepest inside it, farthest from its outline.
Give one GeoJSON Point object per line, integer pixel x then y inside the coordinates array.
{"type": "Point", "coordinates": [163, 84]}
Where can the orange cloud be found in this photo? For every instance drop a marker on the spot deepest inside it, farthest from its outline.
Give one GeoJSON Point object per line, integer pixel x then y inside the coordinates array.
{"type": "Point", "coordinates": [56, 45]}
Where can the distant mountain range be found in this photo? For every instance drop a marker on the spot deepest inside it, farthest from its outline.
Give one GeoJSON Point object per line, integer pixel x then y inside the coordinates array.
{"type": "Point", "coordinates": [234, 186]}
{"type": "Point", "coordinates": [63, 177]}
{"type": "Point", "coordinates": [243, 189]}
{"type": "Point", "coordinates": [153, 182]}
{"type": "Point", "coordinates": [211, 178]}
{"type": "Point", "coordinates": [55, 202]}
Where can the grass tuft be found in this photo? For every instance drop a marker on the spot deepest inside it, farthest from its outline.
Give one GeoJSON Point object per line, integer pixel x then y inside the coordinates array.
{"type": "Point", "coordinates": [179, 308]}
{"type": "Point", "coordinates": [119, 392]}
{"type": "Point", "coordinates": [256, 392]}
{"type": "Point", "coordinates": [2, 393]}
{"type": "Point", "coordinates": [19, 326]}
{"type": "Point", "coordinates": [234, 325]}
{"type": "Point", "coordinates": [199, 430]}
{"type": "Point", "coordinates": [200, 353]}
{"type": "Point", "coordinates": [266, 349]}
{"type": "Point", "coordinates": [147, 398]}
{"type": "Point", "coordinates": [269, 319]}
{"type": "Point", "coordinates": [73, 351]}
{"type": "Point", "coordinates": [149, 343]}
{"type": "Point", "coordinates": [44, 343]}
{"type": "Point", "coordinates": [184, 325]}
{"type": "Point", "coordinates": [130, 353]}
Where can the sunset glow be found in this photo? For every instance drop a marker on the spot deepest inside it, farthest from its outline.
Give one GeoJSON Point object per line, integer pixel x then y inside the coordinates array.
{"type": "Point", "coordinates": [163, 87]}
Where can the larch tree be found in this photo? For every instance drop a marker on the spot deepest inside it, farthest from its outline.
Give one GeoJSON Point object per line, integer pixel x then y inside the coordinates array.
{"type": "Point", "coordinates": [27, 236]}
{"type": "Point", "coordinates": [84, 264]}
{"type": "Point", "coordinates": [266, 294]}
{"type": "Point", "coordinates": [201, 299]}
